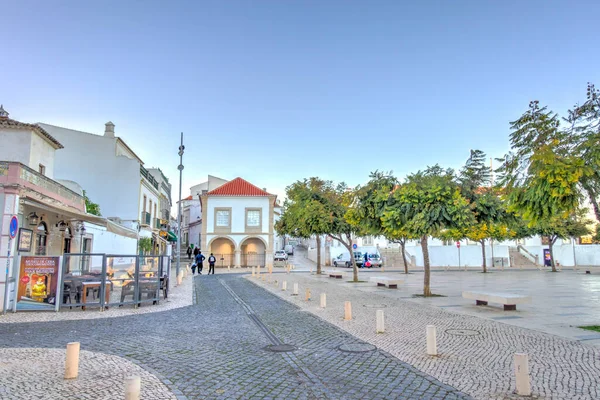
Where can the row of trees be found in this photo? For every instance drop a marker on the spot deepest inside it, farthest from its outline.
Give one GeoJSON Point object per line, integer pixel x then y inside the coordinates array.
{"type": "Point", "coordinates": [541, 186]}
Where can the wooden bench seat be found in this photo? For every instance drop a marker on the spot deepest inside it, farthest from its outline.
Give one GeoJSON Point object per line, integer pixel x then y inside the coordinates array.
{"type": "Point", "coordinates": [391, 283]}
{"type": "Point", "coordinates": [509, 300]}
{"type": "Point", "coordinates": [335, 274]}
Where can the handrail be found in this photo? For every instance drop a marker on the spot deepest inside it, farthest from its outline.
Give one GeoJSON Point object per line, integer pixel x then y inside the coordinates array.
{"type": "Point", "coordinates": [525, 253]}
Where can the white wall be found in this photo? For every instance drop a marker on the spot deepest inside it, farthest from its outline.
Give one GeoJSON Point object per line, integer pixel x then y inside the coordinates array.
{"type": "Point", "coordinates": [90, 160]}
{"type": "Point", "coordinates": [237, 239]}
{"type": "Point", "coordinates": [42, 153]}
{"type": "Point", "coordinates": [447, 256]}
{"type": "Point", "coordinates": [238, 211]}
{"type": "Point", "coordinates": [16, 145]}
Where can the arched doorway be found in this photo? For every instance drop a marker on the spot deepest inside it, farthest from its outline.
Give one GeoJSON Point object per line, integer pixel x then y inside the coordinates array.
{"type": "Point", "coordinates": [223, 248]}
{"type": "Point", "coordinates": [253, 251]}
{"type": "Point", "coordinates": [67, 241]}
{"type": "Point", "coordinates": [41, 239]}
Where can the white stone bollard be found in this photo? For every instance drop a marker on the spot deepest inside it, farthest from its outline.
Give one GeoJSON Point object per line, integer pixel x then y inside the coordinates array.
{"type": "Point", "coordinates": [323, 300]}
{"type": "Point", "coordinates": [257, 270]}
{"type": "Point", "coordinates": [179, 278]}
{"type": "Point", "coordinates": [522, 374]}
{"type": "Point", "coordinates": [380, 322]}
{"type": "Point", "coordinates": [253, 272]}
{"type": "Point", "coordinates": [295, 292]}
{"type": "Point", "coordinates": [133, 386]}
{"type": "Point", "coordinates": [72, 360]}
{"type": "Point", "coordinates": [284, 286]}
{"type": "Point", "coordinates": [307, 295]}
{"type": "Point", "coordinates": [228, 268]}
{"type": "Point", "coordinates": [347, 311]}
{"type": "Point", "coordinates": [431, 341]}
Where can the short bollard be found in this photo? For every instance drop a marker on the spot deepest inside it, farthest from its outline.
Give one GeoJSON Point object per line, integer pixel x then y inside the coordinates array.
{"type": "Point", "coordinates": [380, 322]}
{"type": "Point", "coordinates": [347, 311]}
{"type": "Point", "coordinates": [257, 270]}
{"type": "Point", "coordinates": [133, 386]}
{"type": "Point", "coordinates": [522, 374]}
{"type": "Point", "coordinates": [180, 278]}
{"type": "Point", "coordinates": [295, 292]}
{"type": "Point", "coordinates": [253, 272]}
{"type": "Point", "coordinates": [72, 361]}
{"type": "Point", "coordinates": [228, 268]}
{"type": "Point", "coordinates": [323, 300]}
{"type": "Point", "coordinates": [431, 341]}
{"type": "Point", "coordinates": [307, 296]}
{"type": "Point", "coordinates": [284, 286]}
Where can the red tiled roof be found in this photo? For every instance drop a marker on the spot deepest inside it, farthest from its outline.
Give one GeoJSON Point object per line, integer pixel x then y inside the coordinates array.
{"type": "Point", "coordinates": [187, 198]}
{"type": "Point", "coordinates": [238, 187]}
{"type": "Point", "coordinates": [11, 123]}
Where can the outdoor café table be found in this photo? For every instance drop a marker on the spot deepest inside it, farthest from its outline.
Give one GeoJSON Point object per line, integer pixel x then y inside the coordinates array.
{"type": "Point", "coordinates": [92, 285]}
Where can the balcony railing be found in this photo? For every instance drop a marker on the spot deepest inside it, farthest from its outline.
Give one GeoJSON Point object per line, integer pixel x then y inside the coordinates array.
{"type": "Point", "coordinates": [146, 218]}
{"type": "Point", "coordinates": [17, 170]}
{"type": "Point", "coordinates": [149, 177]}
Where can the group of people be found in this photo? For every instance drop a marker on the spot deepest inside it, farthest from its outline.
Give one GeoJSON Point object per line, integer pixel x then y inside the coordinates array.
{"type": "Point", "coordinates": [199, 260]}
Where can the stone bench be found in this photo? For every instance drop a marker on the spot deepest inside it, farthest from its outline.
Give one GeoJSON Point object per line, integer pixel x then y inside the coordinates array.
{"type": "Point", "coordinates": [509, 300]}
{"type": "Point", "coordinates": [334, 274]}
{"type": "Point", "coordinates": [391, 283]}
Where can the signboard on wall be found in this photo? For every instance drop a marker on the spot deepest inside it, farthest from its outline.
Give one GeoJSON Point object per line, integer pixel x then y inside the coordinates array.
{"type": "Point", "coordinates": [25, 240]}
{"type": "Point", "coordinates": [37, 283]}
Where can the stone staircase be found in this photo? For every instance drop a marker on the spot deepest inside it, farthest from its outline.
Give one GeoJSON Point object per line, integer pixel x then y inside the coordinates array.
{"type": "Point", "coordinates": [518, 260]}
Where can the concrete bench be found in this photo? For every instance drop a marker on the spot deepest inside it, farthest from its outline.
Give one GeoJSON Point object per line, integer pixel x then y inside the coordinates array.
{"type": "Point", "coordinates": [509, 300]}
{"type": "Point", "coordinates": [335, 274]}
{"type": "Point", "coordinates": [391, 283]}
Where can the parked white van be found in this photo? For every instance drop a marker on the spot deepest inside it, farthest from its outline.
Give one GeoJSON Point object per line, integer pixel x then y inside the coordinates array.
{"type": "Point", "coordinates": [373, 258]}
{"type": "Point", "coordinates": [289, 249]}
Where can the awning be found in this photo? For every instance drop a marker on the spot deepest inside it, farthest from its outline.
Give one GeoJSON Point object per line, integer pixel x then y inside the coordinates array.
{"type": "Point", "coordinates": [171, 237]}
{"type": "Point", "coordinates": [77, 215]}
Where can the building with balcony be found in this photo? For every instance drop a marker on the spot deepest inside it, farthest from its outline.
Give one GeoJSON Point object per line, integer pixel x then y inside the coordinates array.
{"type": "Point", "coordinates": [51, 213]}
{"type": "Point", "coordinates": [114, 177]}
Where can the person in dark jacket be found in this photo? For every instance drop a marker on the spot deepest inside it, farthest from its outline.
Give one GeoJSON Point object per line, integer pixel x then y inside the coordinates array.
{"type": "Point", "coordinates": [211, 263]}
{"type": "Point", "coordinates": [199, 260]}
{"type": "Point", "coordinates": [196, 251]}
{"type": "Point", "coordinates": [189, 253]}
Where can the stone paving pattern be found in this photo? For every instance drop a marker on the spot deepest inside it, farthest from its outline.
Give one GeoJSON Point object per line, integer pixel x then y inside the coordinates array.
{"type": "Point", "coordinates": [480, 365]}
{"type": "Point", "coordinates": [216, 349]}
{"type": "Point", "coordinates": [35, 374]}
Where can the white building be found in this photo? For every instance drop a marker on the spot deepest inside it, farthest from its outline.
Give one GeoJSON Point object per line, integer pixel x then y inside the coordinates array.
{"type": "Point", "coordinates": [112, 176]}
{"type": "Point", "coordinates": [238, 224]}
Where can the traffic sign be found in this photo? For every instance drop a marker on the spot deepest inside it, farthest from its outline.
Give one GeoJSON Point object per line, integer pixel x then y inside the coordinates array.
{"type": "Point", "coordinates": [458, 245]}
{"type": "Point", "coordinates": [13, 227]}
{"type": "Point", "coordinates": [354, 246]}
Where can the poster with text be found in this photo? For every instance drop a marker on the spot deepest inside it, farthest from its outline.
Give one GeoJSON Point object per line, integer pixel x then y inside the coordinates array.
{"type": "Point", "coordinates": [38, 283]}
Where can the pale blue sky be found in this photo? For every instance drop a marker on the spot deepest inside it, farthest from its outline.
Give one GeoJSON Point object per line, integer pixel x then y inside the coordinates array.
{"type": "Point", "coordinates": [275, 91]}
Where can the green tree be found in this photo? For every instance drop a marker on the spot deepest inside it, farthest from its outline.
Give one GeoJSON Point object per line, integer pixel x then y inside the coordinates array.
{"type": "Point", "coordinates": [145, 245]}
{"type": "Point", "coordinates": [91, 207]}
{"type": "Point", "coordinates": [431, 202]}
{"type": "Point", "coordinates": [305, 211]}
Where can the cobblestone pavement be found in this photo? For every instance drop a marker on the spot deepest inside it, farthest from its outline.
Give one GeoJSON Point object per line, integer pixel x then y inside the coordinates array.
{"type": "Point", "coordinates": [216, 349]}
{"type": "Point", "coordinates": [38, 374]}
{"type": "Point", "coordinates": [475, 354]}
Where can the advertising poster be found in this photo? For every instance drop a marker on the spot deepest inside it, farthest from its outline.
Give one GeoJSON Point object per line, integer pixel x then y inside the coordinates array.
{"type": "Point", "coordinates": [38, 283]}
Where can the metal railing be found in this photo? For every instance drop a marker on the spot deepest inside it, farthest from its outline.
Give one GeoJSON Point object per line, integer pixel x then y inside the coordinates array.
{"type": "Point", "coordinates": [527, 254]}
{"type": "Point", "coordinates": [149, 177]}
{"type": "Point", "coordinates": [110, 280]}
{"type": "Point", "coordinates": [145, 218]}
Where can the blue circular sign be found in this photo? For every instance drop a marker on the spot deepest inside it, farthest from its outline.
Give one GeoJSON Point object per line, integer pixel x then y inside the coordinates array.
{"type": "Point", "coordinates": [13, 227]}
{"type": "Point", "coordinates": [354, 246]}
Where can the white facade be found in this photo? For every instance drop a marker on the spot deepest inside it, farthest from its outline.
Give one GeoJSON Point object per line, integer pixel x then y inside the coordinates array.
{"type": "Point", "coordinates": [28, 148]}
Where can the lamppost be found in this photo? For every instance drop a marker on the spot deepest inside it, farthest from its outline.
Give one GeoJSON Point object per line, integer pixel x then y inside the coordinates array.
{"type": "Point", "coordinates": [81, 229]}
{"type": "Point", "coordinates": [180, 168]}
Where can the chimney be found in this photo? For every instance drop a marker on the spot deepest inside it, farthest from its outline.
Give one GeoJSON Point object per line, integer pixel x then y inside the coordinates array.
{"type": "Point", "coordinates": [3, 113]}
{"type": "Point", "coordinates": [109, 131]}
{"type": "Point", "coordinates": [265, 189]}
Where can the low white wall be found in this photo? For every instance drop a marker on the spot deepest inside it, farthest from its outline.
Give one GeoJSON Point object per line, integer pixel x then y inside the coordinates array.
{"type": "Point", "coordinates": [109, 243]}
{"type": "Point", "coordinates": [325, 256]}
{"type": "Point", "coordinates": [447, 256]}
{"type": "Point", "coordinates": [588, 254]}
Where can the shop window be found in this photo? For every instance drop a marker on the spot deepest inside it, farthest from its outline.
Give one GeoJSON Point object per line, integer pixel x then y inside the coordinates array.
{"type": "Point", "coordinates": [41, 237]}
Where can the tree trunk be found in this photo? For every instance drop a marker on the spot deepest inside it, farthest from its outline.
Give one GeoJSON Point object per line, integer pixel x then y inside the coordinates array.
{"type": "Point", "coordinates": [550, 245]}
{"type": "Point", "coordinates": [351, 250]}
{"type": "Point", "coordinates": [403, 246]}
{"type": "Point", "coordinates": [318, 255]}
{"type": "Point", "coordinates": [592, 197]}
{"type": "Point", "coordinates": [426, 269]}
{"type": "Point", "coordinates": [483, 254]}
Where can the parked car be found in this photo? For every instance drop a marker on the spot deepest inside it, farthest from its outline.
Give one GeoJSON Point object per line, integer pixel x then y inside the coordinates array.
{"type": "Point", "coordinates": [289, 249]}
{"type": "Point", "coordinates": [280, 255]}
{"type": "Point", "coordinates": [343, 260]}
{"type": "Point", "coordinates": [374, 260]}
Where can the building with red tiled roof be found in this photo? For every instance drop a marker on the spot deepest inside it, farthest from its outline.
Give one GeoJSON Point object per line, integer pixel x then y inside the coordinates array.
{"type": "Point", "coordinates": [238, 224]}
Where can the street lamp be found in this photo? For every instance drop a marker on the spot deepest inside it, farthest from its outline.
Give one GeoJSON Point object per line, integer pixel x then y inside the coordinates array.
{"type": "Point", "coordinates": [180, 168]}
{"type": "Point", "coordinates": [80, 228]}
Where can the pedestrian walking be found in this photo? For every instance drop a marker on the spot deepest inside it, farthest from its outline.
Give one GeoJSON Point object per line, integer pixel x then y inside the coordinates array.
{"type": "Point", "coordinates": [199, 260]}
{"type": "Point", "coordinates": [189, 252]}
{"type": "Point", "coordinates": [211, 263]}
{"type": "Point", "coordinates": [194, 268]}
{"type": "Point", "coordinates": [196, 251]}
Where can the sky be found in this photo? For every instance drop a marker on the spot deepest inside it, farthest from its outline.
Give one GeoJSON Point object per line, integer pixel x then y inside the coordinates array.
{"type": "Point", "coordinates": [277, 91]}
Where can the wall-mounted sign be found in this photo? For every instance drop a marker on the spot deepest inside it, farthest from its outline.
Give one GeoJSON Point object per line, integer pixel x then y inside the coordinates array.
{"type": "Point", "coordinates": [37, 283]}
{"type": "Point", "coordinates": [163, 234]}
{"type": "Point", "coordinates": [25, 240]}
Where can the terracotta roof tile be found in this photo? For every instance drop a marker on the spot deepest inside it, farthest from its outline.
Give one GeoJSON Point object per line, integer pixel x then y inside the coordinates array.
{"type": "Point", "coordinates": [11, 123]}
{"type": "Point", "coordinates": [238, 187]}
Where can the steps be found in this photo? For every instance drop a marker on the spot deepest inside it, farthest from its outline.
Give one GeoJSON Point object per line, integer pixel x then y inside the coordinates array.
{"type": "Point", "coordinates": [518, 260]}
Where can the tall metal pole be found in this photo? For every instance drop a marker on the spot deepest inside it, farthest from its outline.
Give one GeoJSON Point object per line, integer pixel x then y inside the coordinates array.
{"type": "Point", "coordinates": [180, 168]}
